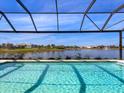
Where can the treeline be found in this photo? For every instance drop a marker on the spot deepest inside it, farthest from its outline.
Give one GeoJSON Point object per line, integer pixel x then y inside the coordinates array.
{"type": "Point", "coordinates": [102, 46]}
{"type": "Point", "coordinates": [23, 46]}
{"type": "Point", "coordinates": [20, 46]}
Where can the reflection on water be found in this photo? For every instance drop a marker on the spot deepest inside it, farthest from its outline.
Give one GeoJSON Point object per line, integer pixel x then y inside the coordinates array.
{"type": "Point", "coordinates": [73, 54]}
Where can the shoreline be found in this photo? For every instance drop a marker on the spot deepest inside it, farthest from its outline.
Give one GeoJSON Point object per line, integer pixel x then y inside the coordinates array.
{"type": "Point", "coordinates": [32, 50]}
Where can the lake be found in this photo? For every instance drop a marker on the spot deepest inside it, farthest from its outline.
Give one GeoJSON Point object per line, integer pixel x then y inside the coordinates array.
{"type": "Point", "coordinates": [106, 54]}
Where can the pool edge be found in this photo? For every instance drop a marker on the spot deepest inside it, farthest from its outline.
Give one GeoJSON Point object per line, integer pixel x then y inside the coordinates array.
{"type": "Point", "coordinates": [118, 61]}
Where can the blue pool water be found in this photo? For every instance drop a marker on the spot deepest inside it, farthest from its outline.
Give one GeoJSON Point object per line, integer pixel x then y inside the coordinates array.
{"type": "Point", "coordinates": [61, 78]}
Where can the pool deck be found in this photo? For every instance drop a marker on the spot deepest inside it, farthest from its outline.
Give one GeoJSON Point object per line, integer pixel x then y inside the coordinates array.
{"type": "Point", "coordinates": [118, 61]}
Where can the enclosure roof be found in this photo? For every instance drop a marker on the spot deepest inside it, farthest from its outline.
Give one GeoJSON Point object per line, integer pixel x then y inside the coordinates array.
{"type": "Point", "coordinates": [61, 16]}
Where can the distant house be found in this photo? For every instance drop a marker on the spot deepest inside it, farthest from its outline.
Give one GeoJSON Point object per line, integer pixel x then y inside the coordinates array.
{"type": "Point", "coordinates": [88, 47]}
{"type": "Point", "coordinates": [28, 46]}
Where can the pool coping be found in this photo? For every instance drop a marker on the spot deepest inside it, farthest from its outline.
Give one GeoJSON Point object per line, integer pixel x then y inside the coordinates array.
{"type": "Point", "coordinates": [118, 61]}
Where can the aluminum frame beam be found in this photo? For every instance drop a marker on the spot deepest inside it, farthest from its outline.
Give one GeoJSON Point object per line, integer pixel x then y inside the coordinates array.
{"type": "Point", "coordinates": [93, 31]}
{"type": "Point", "coordinates": [93, 22]}
{"type": "Point", "coordinates": [107, 21]}
{"type": "Point", "coordinates": [115, 24]}
{"type": "Point", "coordinates": [87, 10]}
{"type": "Point", "coordinates": [56, 1]}
{"type": "Point", "coordinates": [23, 6]}
{"type": "Point", "coordinates": [120, 46]}
{"type": "Point", "coordinates": [62, 12]}
{"type": "Point", "coordinates": [1, 17]}
{"type": "Point", "coordinates": [8, 21]}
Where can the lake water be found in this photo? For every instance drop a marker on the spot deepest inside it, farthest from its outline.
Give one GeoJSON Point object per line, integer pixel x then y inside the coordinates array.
{"type": "Point", "coordinates": [112, 54]}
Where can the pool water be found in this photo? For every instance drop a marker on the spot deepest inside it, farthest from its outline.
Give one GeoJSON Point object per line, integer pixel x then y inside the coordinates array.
{"type": "Point", "coordinates": [61, 78]}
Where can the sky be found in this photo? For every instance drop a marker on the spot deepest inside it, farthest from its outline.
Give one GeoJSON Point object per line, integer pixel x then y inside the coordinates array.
{"type": "Point", "coordinates": [67, 22]}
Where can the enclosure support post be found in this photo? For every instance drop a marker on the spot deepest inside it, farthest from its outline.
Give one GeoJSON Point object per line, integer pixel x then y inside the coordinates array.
{"type": "Point", "coordinates": [120, 45]}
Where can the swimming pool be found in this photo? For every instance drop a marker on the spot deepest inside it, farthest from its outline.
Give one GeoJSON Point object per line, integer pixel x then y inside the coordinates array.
{"type": "Point", "coordinates": [61, 78]}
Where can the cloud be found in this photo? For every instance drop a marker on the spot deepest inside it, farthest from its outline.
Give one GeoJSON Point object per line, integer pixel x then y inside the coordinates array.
{"type": "Point", "coordinates": [45, 22]}
{"type": "Point", "coordinates": [21, 37]}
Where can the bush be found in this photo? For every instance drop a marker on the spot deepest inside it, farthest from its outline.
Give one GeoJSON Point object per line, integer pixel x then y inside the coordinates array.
{"type": "Point", "coordinates": [98, 58]}
{"type": "Point", "coordinates": [51, 58]}
{"type": "Point", "coordinates": [67, 57]}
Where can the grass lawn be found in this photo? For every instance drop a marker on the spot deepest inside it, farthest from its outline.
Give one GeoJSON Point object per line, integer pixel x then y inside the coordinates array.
{"type": "Point", "coordinates": [28, 50]}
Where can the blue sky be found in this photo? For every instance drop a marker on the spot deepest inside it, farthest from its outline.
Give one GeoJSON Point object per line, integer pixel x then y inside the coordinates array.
{"type": "Point", "coordinates": [62, 39]}
{"type": "Point", "coordinates": [48, 22]}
